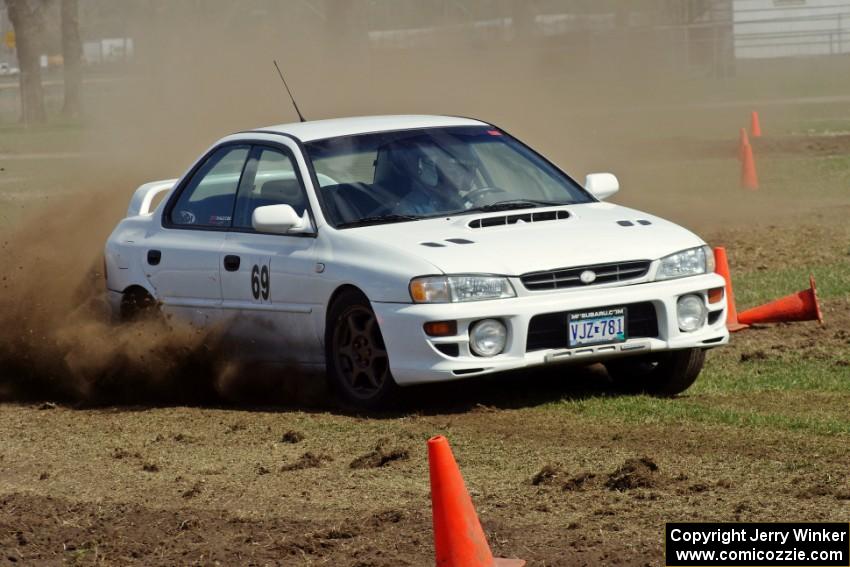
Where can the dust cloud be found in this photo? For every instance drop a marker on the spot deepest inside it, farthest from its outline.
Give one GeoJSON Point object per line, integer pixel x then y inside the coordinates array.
{"type": "Point", "coordinates": [57, 340]}
{"type": "Point", "coordinates": [203, 70]}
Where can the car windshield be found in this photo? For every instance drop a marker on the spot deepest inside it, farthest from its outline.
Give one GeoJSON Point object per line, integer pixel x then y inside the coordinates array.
{"type": "Point", "coordinates": [412, 174]}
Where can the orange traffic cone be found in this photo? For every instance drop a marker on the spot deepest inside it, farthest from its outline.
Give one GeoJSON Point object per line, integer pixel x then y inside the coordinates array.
{"type": "Point", "coordinates": [722, 268]}
{"type": "Point", "coordinates": [749, 179]}
{"type": "Point", "coordinates": [743, 142]}
{"type": "Point", "coordinates": [800, 306]}
{"type": "Point", "coordinates": [755, 127]}
{"type": "Point", "coordinates": [459, 540]}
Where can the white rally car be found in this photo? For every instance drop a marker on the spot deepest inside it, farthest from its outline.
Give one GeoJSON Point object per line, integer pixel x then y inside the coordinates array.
{"type": "Point", "coordinates": [398, 250]}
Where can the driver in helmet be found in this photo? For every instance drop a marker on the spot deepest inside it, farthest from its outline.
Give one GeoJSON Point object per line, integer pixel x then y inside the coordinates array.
{"type": "Point", "coordinates": [441, 180]}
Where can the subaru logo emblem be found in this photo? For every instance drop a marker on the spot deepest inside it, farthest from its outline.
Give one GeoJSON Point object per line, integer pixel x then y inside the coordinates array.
{"type": "Point", "coordinates": [588, 277]}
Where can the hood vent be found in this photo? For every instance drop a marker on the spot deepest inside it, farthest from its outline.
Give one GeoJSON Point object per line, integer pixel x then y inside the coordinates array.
{"type": "Point", "coordinates": [539, 216]}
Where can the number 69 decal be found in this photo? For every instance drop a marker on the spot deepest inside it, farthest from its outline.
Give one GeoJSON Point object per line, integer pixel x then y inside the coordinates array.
{"type": "Point", "coordinates": [260, 282]}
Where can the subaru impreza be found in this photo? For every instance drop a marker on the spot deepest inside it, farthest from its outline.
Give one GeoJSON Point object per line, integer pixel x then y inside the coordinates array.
{"type": "Point", "coordinates": [397, 250]}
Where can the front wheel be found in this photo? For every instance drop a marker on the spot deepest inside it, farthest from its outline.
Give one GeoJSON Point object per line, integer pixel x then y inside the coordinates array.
{"type": "Point", "coordinates": [662, 374]}
{"type": "Point", "coordinates": [357, 361]}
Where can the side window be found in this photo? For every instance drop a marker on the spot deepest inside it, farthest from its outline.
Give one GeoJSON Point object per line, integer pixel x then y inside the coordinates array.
{"type": "Point", "coordinates": [270, 179]}
{"type": "Point", "coordinates": [207, 201]}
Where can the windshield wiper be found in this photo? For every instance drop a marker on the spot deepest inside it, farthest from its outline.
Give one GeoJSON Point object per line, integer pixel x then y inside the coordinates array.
{"type": "Point", "coordinates": [510, 204]}
{"type": "Point", "coordinates": [381, 219]}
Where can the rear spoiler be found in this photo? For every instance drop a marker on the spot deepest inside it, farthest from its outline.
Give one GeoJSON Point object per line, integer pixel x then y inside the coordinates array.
{"type": "Point", "coordinates": [140, 204]}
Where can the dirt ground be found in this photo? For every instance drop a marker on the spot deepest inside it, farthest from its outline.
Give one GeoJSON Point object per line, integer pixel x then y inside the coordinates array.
{"type": "Point", "coordinates": [302, 484]}
{"type": "Point", "coordinates": [148, 485]}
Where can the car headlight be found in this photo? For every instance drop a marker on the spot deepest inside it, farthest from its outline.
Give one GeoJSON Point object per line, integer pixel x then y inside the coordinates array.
{"type": "Point", "coordinates": [691, 262]}
{"type": "Point", "coordinates": [454, 289]}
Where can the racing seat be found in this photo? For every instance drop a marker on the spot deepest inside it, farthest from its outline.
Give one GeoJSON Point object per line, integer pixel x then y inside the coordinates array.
{"type": "Point", "coordinates": [390, 172]}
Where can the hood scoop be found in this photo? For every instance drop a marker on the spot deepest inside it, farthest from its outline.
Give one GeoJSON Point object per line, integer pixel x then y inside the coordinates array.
{"type": "Point", "coordinates": [519, 218]}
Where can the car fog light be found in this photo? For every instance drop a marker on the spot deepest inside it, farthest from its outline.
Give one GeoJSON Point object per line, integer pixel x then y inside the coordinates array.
{"type": "Point", "coordinates": [691, 312]}
{"type": "Point", "coordinates": [488, 337]}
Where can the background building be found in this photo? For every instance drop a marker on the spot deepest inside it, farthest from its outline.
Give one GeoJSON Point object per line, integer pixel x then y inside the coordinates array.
{"type": "Point", "coordinates": [789, 28]}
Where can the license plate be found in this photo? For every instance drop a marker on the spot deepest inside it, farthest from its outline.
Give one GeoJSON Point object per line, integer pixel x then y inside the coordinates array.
{"type": "Point", "coordinates": [597, 327]}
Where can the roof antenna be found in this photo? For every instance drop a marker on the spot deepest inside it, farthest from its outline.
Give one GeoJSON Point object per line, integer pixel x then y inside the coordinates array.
{"type": "Point", "coordinates": [292, 98]}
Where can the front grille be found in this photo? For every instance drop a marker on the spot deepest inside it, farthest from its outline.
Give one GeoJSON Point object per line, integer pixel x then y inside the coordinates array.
{"type": "Point", "coordinates": [571, 277]}
{"type": "Point", "coordinates": [549, 330]}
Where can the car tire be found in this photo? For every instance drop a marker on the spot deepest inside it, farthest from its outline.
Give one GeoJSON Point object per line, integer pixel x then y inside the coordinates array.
{"type": "Point", "coordinates": [358, 365]}
{"type": "Point", "coordinates": [664, 374]}
{"type": "Point", "coordinates": [136, 305]}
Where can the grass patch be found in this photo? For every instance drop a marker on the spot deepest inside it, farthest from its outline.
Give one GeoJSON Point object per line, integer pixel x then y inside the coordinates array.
{"type": "Point", "coordinates": [810, 179]}
{"type": "Point", "coordinates": [755, 287]}
{"type": "Point", "coordinates": [57, 136]}
{"type": "Point", "coordinates": [647, 410]}
{"type": "Point", "coordinates": [777, 374]}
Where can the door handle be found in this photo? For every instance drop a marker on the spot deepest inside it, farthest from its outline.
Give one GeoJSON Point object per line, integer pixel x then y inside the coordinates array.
{"type": "Point", "coordinates": [231, 263]}
{"type": "Point", "coordinates": [154, 256]}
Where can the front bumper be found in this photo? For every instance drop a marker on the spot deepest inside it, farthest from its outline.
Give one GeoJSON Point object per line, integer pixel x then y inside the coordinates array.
{"type": "Point", "coordinates": [417, 358]}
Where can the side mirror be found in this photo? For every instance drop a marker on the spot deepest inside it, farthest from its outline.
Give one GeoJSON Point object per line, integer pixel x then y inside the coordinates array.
{"type": "Point", "coordinates": [279, 219]}
{"type": "Point", "coordinates": [602, 185]}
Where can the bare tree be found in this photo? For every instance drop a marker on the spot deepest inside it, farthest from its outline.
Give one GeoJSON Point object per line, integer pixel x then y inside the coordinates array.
{"type": "Point", "coordinates": [27, 19]}
{"type": "Point", "coordinates": [72, 52]}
